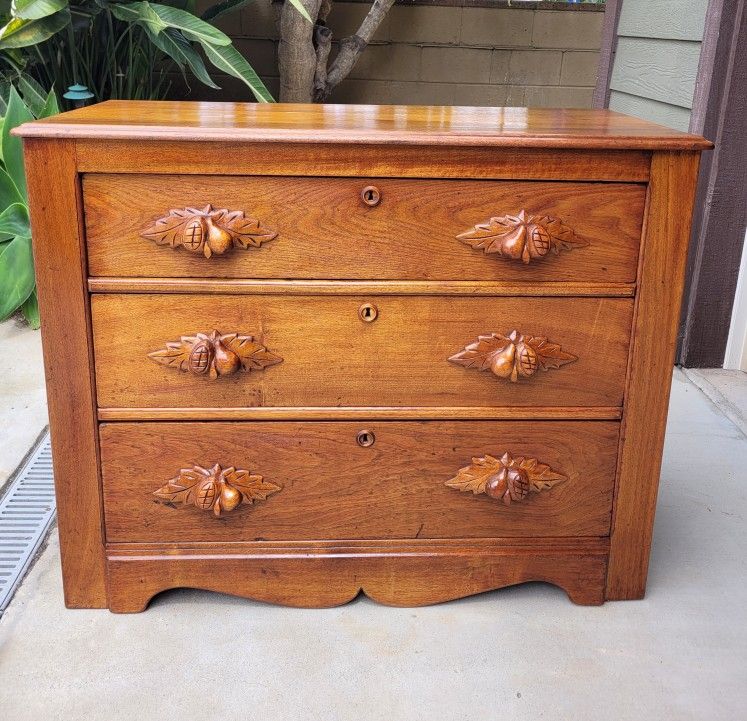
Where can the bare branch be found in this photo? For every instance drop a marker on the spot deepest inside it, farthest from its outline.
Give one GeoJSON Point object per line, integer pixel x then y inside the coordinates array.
{"type": "Point", "coordinates": [351, 48]}
{"type": "Point", "coordinates": [323, 42]}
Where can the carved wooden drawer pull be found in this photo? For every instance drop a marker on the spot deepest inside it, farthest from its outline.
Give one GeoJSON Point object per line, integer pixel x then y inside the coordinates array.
{"type": "Point", "coordinates": [512, 356]}
{"type": "Point", "coordinates": [213, 354]}
{"type": "Point", "coordinates": [208, 231]}
{"type": "Point", "coordinates": [215, 489]}
{"type": "Point", "coordinates": [506, 478]}
{"type": "Point", "coordinates": [522, 237]}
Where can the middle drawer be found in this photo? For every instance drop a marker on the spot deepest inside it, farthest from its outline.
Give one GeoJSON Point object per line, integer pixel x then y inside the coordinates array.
{"type": "Point", "coordinates": [172, 351]}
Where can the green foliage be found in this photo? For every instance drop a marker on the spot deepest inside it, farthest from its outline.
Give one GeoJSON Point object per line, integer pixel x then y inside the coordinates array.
{"type": "Point", "coordinates": [17, 285]}
{"type": "Point", "coordinates": [117, 49]}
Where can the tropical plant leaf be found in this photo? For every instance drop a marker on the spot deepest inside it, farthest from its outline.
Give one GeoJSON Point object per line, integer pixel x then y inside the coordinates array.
{"type": "Point", "coordinates": [30, 309]}
{"type": "Point", "coordinates": [179, 49]}
{"type": "Point", "coordinates": [8, 191]}
{"type": "Point", "coordinates": [19, 33]}
{"type": "Point", "coordinates": [221, 8]}
{"type": "Point", "coordinates": [16, 274]}
{"type": "Point", "coordinates": [32, 93]}
{"type": "Point", "coordinates": [229, 60]}
{"type": "Point", "coordinates": [14, 220]}
{"type": "Point", "coordinates": [159, 17]}
{"type": "Point", "coordinates": [50, 106]}
{"type": "Point", "coordinates": [36, 9]}
{"type": "Point", "coordinates": [12, 147]}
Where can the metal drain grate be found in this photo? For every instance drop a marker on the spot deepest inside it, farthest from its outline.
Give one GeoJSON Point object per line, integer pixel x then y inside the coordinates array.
{"type": "Point", "coordinates": [26, 512]}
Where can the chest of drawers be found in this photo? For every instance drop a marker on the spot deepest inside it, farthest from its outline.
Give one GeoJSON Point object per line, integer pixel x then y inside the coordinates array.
{"type": "Point", "coordinates": [296, 353]}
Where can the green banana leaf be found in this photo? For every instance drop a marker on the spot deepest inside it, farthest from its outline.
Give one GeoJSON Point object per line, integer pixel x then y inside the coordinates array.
{"type": "Point", "coordinates": [16, 274]}
{"type": "Point", "coordinates": [159, 17]}
{"type": "Point", "coordinates": [221, 8]}
{"type": "Point", "coordinates": [12, 147]}
{"type": "Point", "coordinates": [230, 61]}
{"type": "Point", "coordinates": [177, 47]}
{"type": "Point", "coordinates": [19, 33]}
{"type": "Point", "coordinates": [36, 9]}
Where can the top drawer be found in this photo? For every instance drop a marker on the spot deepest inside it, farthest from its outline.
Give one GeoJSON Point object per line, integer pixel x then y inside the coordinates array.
{"type": "Point", "coordinates": [361, 229]}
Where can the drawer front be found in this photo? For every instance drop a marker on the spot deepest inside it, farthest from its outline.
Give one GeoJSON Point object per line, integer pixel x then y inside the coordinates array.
{"type": "Point", "coordinates": [355, 228]}
{"type": "Point", "coordinates": [312, 481]}
{"type": "Point", "coordinates": [177, 350]}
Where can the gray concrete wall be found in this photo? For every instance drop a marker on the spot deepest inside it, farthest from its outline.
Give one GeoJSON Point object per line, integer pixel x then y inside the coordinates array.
{"type": "Point", "coordinates": [444, 55]}
{"type": "Point", "coordinates": [658, 51]}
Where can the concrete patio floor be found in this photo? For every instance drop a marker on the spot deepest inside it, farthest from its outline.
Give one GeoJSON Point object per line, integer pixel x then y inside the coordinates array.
{"type": "Point", "coordinates": [519, 653]}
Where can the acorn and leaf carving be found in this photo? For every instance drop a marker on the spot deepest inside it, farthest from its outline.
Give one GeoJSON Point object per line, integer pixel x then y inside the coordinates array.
{"type": "Point", "coordinates": [215, 489]}
{"type": "Point", "coordinates": [507, 479]}
{"type": "Point", "coordinates": [208, 231]}
{"type": "Point", "coordinates": [215, 354]}
{"type": "Point", "coordinates": [522, 237]}
{"type": "Point", "coordinates": [512, 356]}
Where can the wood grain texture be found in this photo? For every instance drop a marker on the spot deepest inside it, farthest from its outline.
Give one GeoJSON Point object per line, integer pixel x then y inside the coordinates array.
{"type": "Point", "coordinates": [60, 275]}
{"type": "Point", "coordinates": [243, 286]}
{"type": "Point", "coordinates": [324, 230]}
{"type": "Point", "coordinates": [364, 124]}
{"type": "Point", "coordinates": [332, 488]}
{"type": "Point", "coordinates": [333, 160]}
{"type": "Point", "coordinates": [661, 279]}
{"type": "Point", "coordinates": [402, 413]}
{"type": "Point", "coordinates": [315, 576]}
{"type": "Point", "coordinates": [331, 358]}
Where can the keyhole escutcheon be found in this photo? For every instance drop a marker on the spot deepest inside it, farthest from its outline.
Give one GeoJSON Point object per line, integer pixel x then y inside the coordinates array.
{"type": "Point", "coordinates": [368, 312]}
{"type": "Point", "coordinates": [365, 438]}
{"type": "Point", "coordinates": [371, 195]}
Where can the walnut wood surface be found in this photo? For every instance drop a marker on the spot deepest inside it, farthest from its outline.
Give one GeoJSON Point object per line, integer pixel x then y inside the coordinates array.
{"type": "Point", "coordinates": [365, 124]}
{"type": "Point", "coordinates": [60, 276]}
{"type": "Point", "coordinates": [352, 515]}
{"type": "Point", "coordinates": [332, 488]}
{"type": "Point", "coordinates": [321, 575]}
{"type": "Point", "coordinates": [324, 230]}
{"type": "Point", "coordinates": [332, 358]}
{"type": "Point", "coordinates": [368, 161]}
{"type": "Point", "coordinates": [667, 233]}
{"type": "Point", "coordinates": [346, 287]}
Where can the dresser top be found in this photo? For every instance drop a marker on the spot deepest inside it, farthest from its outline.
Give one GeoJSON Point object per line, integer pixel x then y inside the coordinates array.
{"type": "Point", "coordinates": [372, 124]}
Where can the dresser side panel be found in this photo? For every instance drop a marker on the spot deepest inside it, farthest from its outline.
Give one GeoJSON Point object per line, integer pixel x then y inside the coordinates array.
{"type": "Point", "coordinates": [55, 206]}
{"type": "Point", "coordinates": [661, 280]}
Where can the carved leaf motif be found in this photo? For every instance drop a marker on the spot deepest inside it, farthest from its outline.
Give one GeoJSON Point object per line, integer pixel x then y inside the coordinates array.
{"type": "Point", "coordinates": [522, 237]}
{"type": "Point", "coordinates": [207, 230]}
{"type": "Point", "coordinates": [215, 354]}
{"type": "Point", "coordinates": [505, 477]}
{"type": "Point", "coordinates": [475, 476]}
{"type": "Point", "coordinates": [512, 356]}
{"type": "Point", "coordinates": [251, 485]}
{"type": "Point", "coordinates": [215, 489]}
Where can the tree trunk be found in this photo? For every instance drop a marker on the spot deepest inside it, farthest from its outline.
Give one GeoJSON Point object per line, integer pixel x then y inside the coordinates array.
{"type": "Point", "coordinates": [303, 53]}
{"type": "Point", "coordinates": [296, 53]}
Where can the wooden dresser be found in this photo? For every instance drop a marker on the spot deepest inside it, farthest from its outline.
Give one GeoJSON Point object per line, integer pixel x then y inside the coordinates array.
{"type": "Point", "coordinates": [296, 353]}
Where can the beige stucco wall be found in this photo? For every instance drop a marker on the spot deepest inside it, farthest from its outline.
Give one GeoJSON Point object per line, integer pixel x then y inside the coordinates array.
{"type": "Point", "coordinates": [427, 54]}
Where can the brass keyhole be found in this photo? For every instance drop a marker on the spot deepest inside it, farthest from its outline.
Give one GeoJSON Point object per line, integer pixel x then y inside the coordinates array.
{"type": "Point", "coordinates": [368, 312]}
{"type": "Point", "coordinates": [371, 195]}
{"type": "Point", "coordinates": [365, 438]}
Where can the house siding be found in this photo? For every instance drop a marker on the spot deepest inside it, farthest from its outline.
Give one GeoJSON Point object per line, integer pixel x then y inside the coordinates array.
{"type": "Point", "coordinates": [656, 64]}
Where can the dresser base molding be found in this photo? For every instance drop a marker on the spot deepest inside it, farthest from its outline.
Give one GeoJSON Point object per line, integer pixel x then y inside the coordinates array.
{"type": "Point", "coordinates": [328, 574]}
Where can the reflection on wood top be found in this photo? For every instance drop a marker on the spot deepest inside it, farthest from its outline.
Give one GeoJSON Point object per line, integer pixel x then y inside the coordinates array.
{"type": "Point", "coordinates": [370, 124]}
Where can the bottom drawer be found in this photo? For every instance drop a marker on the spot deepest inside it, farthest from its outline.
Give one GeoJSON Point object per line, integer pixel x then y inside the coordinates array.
{"type": "Point", "coordinates": [291, 481]}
